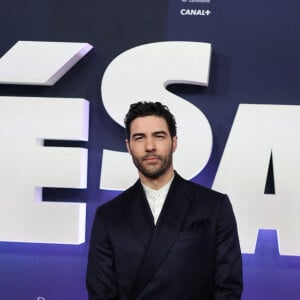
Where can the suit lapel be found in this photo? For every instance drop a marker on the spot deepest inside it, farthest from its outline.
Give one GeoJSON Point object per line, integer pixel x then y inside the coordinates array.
{"type": "Point", "coordinates": [164, 234]}
{"type": "Point", "coordinates": [138, 213]}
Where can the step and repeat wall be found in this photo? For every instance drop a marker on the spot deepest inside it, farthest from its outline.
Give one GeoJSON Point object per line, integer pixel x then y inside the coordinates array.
{"type": "Point", "coordinates": [228, 70]}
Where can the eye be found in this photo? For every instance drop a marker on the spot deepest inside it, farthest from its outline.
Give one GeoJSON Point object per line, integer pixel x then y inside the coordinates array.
{"type": "Point", "coordinates": [137, 137]}
{"type": "Point", "coordinates": [160, 136]}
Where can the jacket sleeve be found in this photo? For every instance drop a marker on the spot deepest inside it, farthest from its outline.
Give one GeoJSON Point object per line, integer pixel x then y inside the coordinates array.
{"type": "Point", "coordinates": [228, 276]}
{"type": "Point", "coordinates": [100, 278]}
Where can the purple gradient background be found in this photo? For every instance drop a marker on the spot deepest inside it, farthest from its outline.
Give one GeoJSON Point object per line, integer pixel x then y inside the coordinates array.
{"type": "Point", "coordinates": [255, 59]}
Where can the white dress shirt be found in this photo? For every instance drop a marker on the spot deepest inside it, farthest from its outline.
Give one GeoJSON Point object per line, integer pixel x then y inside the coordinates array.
{"type": "Point", "coordinates": [156, 198]}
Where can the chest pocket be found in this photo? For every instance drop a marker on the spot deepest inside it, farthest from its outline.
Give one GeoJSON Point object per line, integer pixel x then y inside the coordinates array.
{"type": "Point", "coordinates": [196, 229]}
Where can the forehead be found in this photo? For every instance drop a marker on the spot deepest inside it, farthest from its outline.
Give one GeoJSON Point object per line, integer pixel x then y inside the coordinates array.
{"type": "Point", "coordinates": [148, 124]}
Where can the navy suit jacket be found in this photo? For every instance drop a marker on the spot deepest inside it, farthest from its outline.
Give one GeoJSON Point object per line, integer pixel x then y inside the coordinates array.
{"type": "Point", "coordinates": [192, 253]}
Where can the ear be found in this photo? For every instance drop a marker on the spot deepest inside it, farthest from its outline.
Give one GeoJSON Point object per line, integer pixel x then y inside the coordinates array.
{"type": "Point", "coordinates": [128, 146]}
{"type": "Point", "coordinates": [174, 140]}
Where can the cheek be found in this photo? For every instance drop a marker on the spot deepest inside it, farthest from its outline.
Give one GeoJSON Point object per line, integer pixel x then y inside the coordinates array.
{"type": "Point", "coordinates": [136, 150]}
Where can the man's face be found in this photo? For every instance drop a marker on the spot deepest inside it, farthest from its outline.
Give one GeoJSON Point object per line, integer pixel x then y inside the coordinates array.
{"type": "Point", "coordinates": [151, 146]}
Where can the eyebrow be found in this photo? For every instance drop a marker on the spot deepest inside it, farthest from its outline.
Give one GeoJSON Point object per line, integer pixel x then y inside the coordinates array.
{"type": "Point", "coordinates": [137, 134]}
{"type": "Point", "coordinates": [153, 133]}
{"type": "Point", "coordinates": [159, 132]}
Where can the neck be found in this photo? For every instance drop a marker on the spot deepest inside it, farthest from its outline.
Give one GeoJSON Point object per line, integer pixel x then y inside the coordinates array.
{"type": "Point", "coordinates": [159, 182]}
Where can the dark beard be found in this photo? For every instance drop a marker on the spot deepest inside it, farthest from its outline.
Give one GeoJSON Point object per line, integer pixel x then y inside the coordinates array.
{"type": "Point", "coordinates": [153, 172]}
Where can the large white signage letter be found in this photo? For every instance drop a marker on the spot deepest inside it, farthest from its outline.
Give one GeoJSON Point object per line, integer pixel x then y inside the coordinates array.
{"type": "Point", "coordinates": [258, 131]}
{"type": "Point", "coordinates": [142, 74]}
{"type": "Point", "coordinates": [27, 166]}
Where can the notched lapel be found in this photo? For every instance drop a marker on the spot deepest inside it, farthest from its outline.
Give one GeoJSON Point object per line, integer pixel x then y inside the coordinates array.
{"type": "Point", "coordinates": [138, 213]}
{"type": "Point", "coordinates": [165, 233]}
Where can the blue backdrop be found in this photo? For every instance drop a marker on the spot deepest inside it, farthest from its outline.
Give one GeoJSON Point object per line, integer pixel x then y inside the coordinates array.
{"type": "Point", "coordinates": [255, 59]}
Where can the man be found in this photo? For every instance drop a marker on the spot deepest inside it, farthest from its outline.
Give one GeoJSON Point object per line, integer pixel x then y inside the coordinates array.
{"type": "Point", "coordinates": [164, 238]}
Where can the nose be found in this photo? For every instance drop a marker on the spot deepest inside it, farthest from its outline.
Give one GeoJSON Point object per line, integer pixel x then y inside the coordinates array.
{"type": "Point", "coordinates": [150, 145]}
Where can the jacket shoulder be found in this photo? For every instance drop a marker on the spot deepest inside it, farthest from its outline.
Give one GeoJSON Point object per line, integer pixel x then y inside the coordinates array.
{"type": "Point", "coordinates": [203, 191]}
{"type": "Point", "coordinates": [117, 202]}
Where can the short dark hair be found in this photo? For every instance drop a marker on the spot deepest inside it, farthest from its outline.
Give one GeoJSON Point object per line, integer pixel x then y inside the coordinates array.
{"type": "Point", "coordinates": [143, 109]}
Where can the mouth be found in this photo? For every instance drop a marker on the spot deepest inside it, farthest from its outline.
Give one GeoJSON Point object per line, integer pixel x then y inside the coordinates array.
{"type": "Point", "coordinates": [151, 158]}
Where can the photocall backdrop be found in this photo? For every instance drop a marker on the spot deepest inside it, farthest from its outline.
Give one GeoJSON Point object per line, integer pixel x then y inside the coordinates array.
{"type": "Point", "coordinates": [255, 60]}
